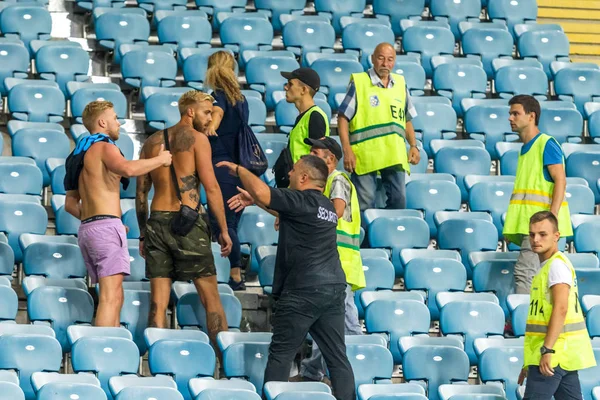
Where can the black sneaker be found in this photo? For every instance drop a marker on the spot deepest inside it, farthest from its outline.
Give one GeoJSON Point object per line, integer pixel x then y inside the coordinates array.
{"type": "Point", "coordinates": [237, 286]}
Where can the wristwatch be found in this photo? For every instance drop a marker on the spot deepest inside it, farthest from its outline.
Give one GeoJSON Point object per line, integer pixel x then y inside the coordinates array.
{"type": "Point", "coordinates": [545, 350]}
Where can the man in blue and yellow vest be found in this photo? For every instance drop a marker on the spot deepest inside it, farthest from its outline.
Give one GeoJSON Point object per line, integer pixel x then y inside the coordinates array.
{"type": "Point", "coordinates": [374, 126]}
{"type": "Point", "coordinates": [540, 185]}
{"type": "Point", "coordinates": [340, 190]}
{"type": "Point", "coordinates": [557, 344]}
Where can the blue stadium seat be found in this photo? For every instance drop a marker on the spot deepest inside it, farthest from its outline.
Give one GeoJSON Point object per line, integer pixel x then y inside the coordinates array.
{"type": "Point", "coordinates": [488, 44]}
{"type": "Point", "coordinates": [30, 283]}
{"type": "Point", "coordinates": [492, 197]}
{"type": "Point", "coordinates": [194, 64]}
{"type": "Point", "coordinates": [21, 217]}
{"type": "Point", "coordinates": [487, 392]}
{"type": "Point", "coordinates": [143, 68]}
{"type": "Point", "coordinates": [369, 296]}
{"type": "Point", "coordinates": [199, 385]}
{"type": "Point", "coordinates": [7, 257]}
{"type": "Point", "coordinates": [545, 46]}
{"type": "Point", "coordinates": [27, 353]}
{"type": "Point", "coordinates": [336, 9]}
{"type": "Point", "coordinates": [115, 27]}
{"type": "Point", "coordinates": [216, 7]}
{"type": "Point", "coordinates": [398, 10]}
{"type": "Point", "coordinates": [370, 363]}
{"type": "Point", "coordinates": [15, 62]}
{"type": "Point", "coordinates": [20, 179]}
{"type": "Point", "coordinates": [371, 214]}
{"type": "Point", "coordinates": [266, 273]}
{"type": "Point", "coordinates": [246, 32]}
{"type": "Point", "coordinates": [158, 6]}
{"type": "Point", "coordinates": [436, 119]}
{"type": "Point", "coordinates": [277, 8]}
{"type": "Point", "coordinates": [486, 120]}
{"type": "Point", "coordinates": [462, 161]}
{"type": "Point", "coordinates": [274, 389]}
{"type": "Point", "coordinates": [407, 255]}
{"type": "Point", "coordinates": [302, 36]}
{"type": "Point", "coordinates": [437, 365]}
{"type": "Point", "coordinates": [511, 12]}
{"type": "Point", "coordinates": [434, 275]}
{"type": "Point", "coordinates": [256, 228]}
{"type": "Point", "coordinates": [182, 29]}
{"type": "Point", "coordinates": [585, 227]}
{"type": "Point", "coordinates": [414, 74]}
{"type": "Point", "coordinates": [162, 108]}
{"type": "Point", "coordinates": [11, 391]}
{"type": "Point", "coordinates": [379, 274]}
{"type": "Point", "coordinates": [246, 360]}
{"type": "Point", "coordinates": [428, 41]}
{"type": "Point", "coordinates": [66, 224]}
{"type": "Point", "coordinates": [335, 75]}
{"type": "Point", "coordinates": [40, 145]}
{"type": "Point", "coordinates": [581, 199]}
{"type": "Point", "coordinates": [257, 114]}
{"type": "Point", "coordinates": [431, 196]}
{"type": "Point", "coordinates": [579, 85]}
{"type": "Point", "coordinates": [557, 66]}
{"type": "Point", "coordinates": [588, 378]}
{"type": "Point", "coordinates": [455, 12]}
{"type": "Point", "coordinates": [312, 57]}
{"type": "Point", "coordinates": [61, 390]}
{"type": "Point", "coordinates": [496, 277]}
{"type": "Point", "coordinates": [397, 319]}
{"type": "Point", "coordinates": [27, 22]}
{"type": "Point", "coordinates": [458, 80]}
{"type": "Point", "coordinates": [57, 257]}
{"type": "Point", "coordinates": [36, 102]}
{"type": "Point", "coordinates": [519, 77]}
{"type": "Point", "coordinates": [366, 391]}
{"type": "Point", "coordinates": [15, 126]}
{"type": "Point", "coordinates": [397, 234]}
{"type": "Point", "coordinates": [143, 393]}
{"type": "Point", "coordinates": [191, 312]}
{"type": "Point", "coordinates": [59, 381]}
{"type": "Point", "coordinates": [518, 304]}
{"type": "Point", "coordinates": [502, 364]}
{"type": "Point", "coordinates": [362, 37]}
{"type": "Point", "coordinates": [134, 315]}
{"type": "Point", "coordinates": [136, 387]}
{"type": "Point", "coordinates": [264, 75]}
{"type": "Point", "coordinates": [585, 165]}
{"type": "Point", "coordinates": [82, 93]}
{"type": "Point", "coordinates": [62, 64]}
{"type": "Point", "coordinates": [593, 118]}
{"type": "Point", "coordinates": [509, 155]}
{"type": "Point", "coordinates": [9, 302]}
{"type": "Point", "coordinates": [583, 260]}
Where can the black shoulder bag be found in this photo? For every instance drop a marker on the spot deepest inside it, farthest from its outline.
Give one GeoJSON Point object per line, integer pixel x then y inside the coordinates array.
{"type": "Point", "coordinates": [183, 222]}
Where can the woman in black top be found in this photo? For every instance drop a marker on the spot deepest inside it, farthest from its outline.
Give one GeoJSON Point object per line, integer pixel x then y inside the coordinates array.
{"type": "Point", "coordinates": [230, 110]}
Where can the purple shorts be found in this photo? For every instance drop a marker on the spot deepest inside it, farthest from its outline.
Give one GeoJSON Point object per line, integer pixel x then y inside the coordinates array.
{"type": "Point", "coordinates": [103, 244]}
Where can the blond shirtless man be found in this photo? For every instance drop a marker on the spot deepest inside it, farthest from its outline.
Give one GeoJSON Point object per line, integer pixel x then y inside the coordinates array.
{"type": "Point", "coordinates": [94, 171]}
{"type": "Point", "coordinates": [170, 256]}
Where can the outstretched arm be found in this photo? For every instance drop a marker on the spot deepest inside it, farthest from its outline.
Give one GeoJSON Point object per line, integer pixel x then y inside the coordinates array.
{"type": "Point", "coordinates": [116, 163]}
{"type": "Point", "coordinates": [260, 191]}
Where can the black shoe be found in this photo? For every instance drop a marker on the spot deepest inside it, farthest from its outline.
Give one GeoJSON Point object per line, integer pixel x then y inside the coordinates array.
{"type": "Point", "coordinates": [237, 286]}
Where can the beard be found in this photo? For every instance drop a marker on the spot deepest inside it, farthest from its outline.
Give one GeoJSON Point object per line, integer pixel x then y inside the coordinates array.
{"type": "Point", "coordinates": [199, 126]}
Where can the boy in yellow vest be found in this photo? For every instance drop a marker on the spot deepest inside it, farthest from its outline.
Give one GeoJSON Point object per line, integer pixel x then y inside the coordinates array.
{"type": "Point", "coordinates": [557, 344]}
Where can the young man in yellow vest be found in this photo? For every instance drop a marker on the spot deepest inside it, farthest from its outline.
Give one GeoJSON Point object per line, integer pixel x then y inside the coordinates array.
{"type": "Point", "coordinates": [540, 185]}
{"type": "Point", "coordinates": [557, 344]}
{"type": "Point", "coordinates": [312, 122]}
{"type": "Point", "coordinates": [374, 126]}
{"type": "Point", "coordinates": [340, 190]}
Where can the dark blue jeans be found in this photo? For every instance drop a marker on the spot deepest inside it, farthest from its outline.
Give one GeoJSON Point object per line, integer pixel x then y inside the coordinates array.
{"type": "Point", "coordinates": [393, 180]}
{"type": "Point", "coordinates": [563, 385]}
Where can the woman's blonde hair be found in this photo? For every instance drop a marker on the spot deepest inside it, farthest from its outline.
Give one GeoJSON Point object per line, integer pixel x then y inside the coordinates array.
{"type": "Point", "coordinates": [220, 75]}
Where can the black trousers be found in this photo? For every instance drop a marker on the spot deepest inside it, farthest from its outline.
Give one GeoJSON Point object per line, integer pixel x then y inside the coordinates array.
{"type": "Point", "coordinates": [320, 311]}
{"type": "Point", "coordinates": [563, 385]}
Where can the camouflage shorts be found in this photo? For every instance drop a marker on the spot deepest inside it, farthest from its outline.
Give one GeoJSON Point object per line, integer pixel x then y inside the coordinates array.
{"type": "Point", "coordinates": [181, 258]}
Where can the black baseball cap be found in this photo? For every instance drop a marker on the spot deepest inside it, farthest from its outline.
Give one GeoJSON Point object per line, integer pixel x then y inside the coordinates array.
{"type": "Point", "coordinates": [308, 76]}
{"type": "Point", "coordinates": [326, 143]}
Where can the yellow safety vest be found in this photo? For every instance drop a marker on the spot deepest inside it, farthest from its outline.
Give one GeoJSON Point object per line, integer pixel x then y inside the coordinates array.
{"type": "Point", "coordinates": [300, 132]}
{"type": "Point", "coordinates": [377, 129]}
{"type": "Point", "coordinates": [573, 347]}
{"type": "Point", "coordinates": [348, 238]}
{"type": "Point", "coordinates": [533, 193]}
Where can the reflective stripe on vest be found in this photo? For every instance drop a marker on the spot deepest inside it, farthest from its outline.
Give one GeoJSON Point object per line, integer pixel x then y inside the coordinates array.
{"type": "Point", "coordinates": [300, 132]}
{"type": "Point", "coordinates": [377, 129]}
{"type": "Point", "coordinates": [572, 327]}
{"type": "Point", "coordinates": [350, 241]}
{"type": "Point", "coordinates": [533, 197]}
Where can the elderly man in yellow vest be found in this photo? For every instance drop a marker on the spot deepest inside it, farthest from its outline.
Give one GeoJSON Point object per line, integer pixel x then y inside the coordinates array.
{"type": "Point", "coordinates": [374, 126]}
{"type": "Point", "coordinates": [540, 185]}
{"type": "Point", "coordinates": [557, 344]}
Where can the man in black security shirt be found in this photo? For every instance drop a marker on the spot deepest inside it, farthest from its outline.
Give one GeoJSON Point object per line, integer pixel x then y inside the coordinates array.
{"type": "Point", "coordinates": [309, 283]}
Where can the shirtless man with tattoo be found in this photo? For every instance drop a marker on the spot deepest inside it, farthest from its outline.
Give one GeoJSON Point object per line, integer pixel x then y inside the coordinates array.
{"type": "Point", "coordinates": [184, 258]}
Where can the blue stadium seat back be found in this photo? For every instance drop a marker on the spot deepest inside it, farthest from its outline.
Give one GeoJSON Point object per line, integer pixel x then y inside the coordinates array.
{"type": "Point", "coordinates": [247, 360]}
{"type": "Point", "coordinates": [461, 161]}
{"type": "Point", "coordinates": [463, 392]}
{"type": "Point", "coordinates": [66, 224]}
{"type": "Point", "coordinates": [142, 68]}
{"type": "Point", "coordinates": [83, 96]}
{"type": "Point", "coordinates": [30, 102]}
{"type": "Point", "coordinates": [14, 126]}
{"type": "Point", "coordinates": [21, 217]}
{"type": "Point", "coordinates": [162, 108]}
{"type": "Point", "coordinates": [195, 63]}
{"type": "Point", "coordinates": [26, 353]}
{"type": "Point", "coordinates": [226, 339]}
{"type": "Point", "coordinates": [54, 260]}
{"type": "Point", "coordinates": [370, 363]}
{"type": "Point", "coordinates": [586, 165]}
{"type": "Point", "coordinates": [191, 312]}
{"type": "Point", "coordinates": [117, 383]}
{"type": "Point", "coordinates": [274, 389]}
{"type": "Point", "coordinates": [397, 319]}
{"type": "Point", "coordinates": [397, 10]}
{"type": "Point", "coordinates": [435, 275]}
{"type": "Point", "coordinates": [414, 76]}
{"type": "Point", "coordinates": [256, 228]}
{"type": "Point", "coordinates": [305, 396]}
{"type": "Point", "coordinates": [467, 236]}
{"type": "Point", "coordinates": [134, 315]}
{"type": "Point", "coordinates": [62, 64]}
{"type": "Point", "coordinates": [8, 304]}
{"type": "Point", "coordinates": [455, 12]}
{"type": "Point", "coordinates": [106, 356]}
{"type": "Point", "coordinates": [407, 255]}
{"type": "Point", "coordinates": [15, 62]}
{"type": "Point", "coordinates": [30, 283]}
{"type": "Point", "coordinates": [545, 46]}
{"type": "Point", "coordinates": [592, 320]}
{"type": "Point", "coordinates": [519, 79]}
{"type": "Point", "coordinates": [153, 335]}
{"type": "Point", "coordinates": [7, 258]}
{"type": "Point", "coordinates": [558, 66]}
{"type": "Point", "coordinates": [338, 9]}
{"type": "Point", "coordinates": [11, 391]}
{"type": "Point", "coordinates": [27, 22]}
{"type": "Point", "coordinates": [579, 85]}
{"type": "Point", "coordinates": [587, 281]}
{"type": "Point", "coordinates": [371, 214]}
{"type": "Point", "coordinates": [20, 179]}
{"type": "Point", "coordinates": [438, 364]}
{"type": "Point", "coordinates": [69, 306]}
{"type": "Point", "coordinates": [428, 41]}
{"type": "Point", "coordinates": [61, 390]}
{"type": "Point", "coordinates": [397, 234]}
{"type": "Point", "coordinates": [502, 364]}
{"type": "Point", "coordinates": [593, 123]}
{"type": "Point", "coordinates": [143, 393]}
{"type": "Point", "coordinates": [472, 319]}
{"type": "Point", "coordinates": [41, 145]}
{"type": "Point", "coordinates": [488, 124]}
{"type": "Point", "coordinates": [180, 359]}
{"type": "Point", "coordinates": [199, 385]}
{"type": "Point", "coordinates": [266, 273]}
{"type": "Point", "coordinates": [304, 36]}
{"type": "Point", "coordinates": [367, 391]}
{"type": "Point", "coordinates": [583, 260]}
{"type": "Point", "coordinates": [497, 277]}
{"type": "Point", "coordinates": [379, 274]}
{"type": "Point", "coordinates": [458, 81]}
{"type": "Point", "coordinates": [488, 44]}
{"type": "Point", "coordinates": [116, 28]}
{"type": "Point", "coordinates": [265, 73]}
{"type": "Point", "coordinates": [257, 114]}
{"type": "Point", "coordinates": [588, 378]}
{"type": "Point", "coordinates": [513, 13]}
{"type": "Point", "coordinates": [278, 8]}
{"type": "Point", "coordinates": [335, 75]}
{"type": "Point", "coordinates": [581, 199]}
{"type": "Point", "coordinates": [508, 163]}
{"type": "Point", "coordinates": [156, 6]}
{"type": "Point", "coordinates": [184, 30]}
{"type": "Point", "coordinates": [432, 196]}
{"type": "Point", "coordinates": [492, 197]}
{"type": "Point", "coordinates": [435, 120]}
{"type": "Point", "coordinates": [137, 263]}
{"type": "Point", "coordinates": [246, 32]}
{"type": "Point", "coordinates": [364, 36]}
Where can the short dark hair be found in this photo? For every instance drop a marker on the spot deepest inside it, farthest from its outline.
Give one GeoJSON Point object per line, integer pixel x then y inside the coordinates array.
{"type": "Point", "coordinates": [317, 169]}
{"type": "Point", "coordinates": [543, 216]}
{"type": "Point", "coordinates": [530, 105]}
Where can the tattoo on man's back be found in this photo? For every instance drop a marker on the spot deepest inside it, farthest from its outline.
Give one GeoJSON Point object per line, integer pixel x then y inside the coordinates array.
{"type": "Point", "coordinates": [182, 141]}
{"type": "Point", "coordinates": [189, 182]}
